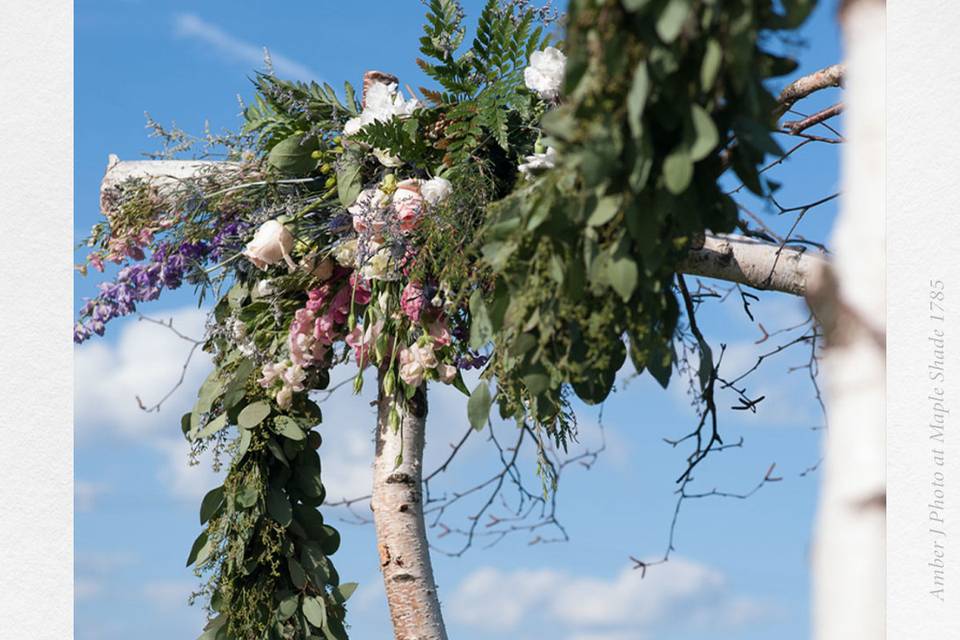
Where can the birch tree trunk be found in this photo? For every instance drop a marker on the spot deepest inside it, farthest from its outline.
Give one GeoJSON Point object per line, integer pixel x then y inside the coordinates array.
{"type": "Point", "coordinates": [398, 515]}
{"type": "Point", "coordinates": [849, 301]}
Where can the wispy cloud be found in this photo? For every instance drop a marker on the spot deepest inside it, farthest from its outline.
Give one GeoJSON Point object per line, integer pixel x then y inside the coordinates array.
{"type": "Point", "coordinates": [624, 606]}
{"type": "Point", "coordinates": [145, 361]}
{"type": "Point", "coordinates": [188, 25]}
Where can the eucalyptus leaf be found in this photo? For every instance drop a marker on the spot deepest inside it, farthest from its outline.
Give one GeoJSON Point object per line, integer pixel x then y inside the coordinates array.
{"type": "Point", "coordinates": [349, 180]}
{"type": "Point", "coordinates": [678, 170]}
{"type": "Point", "coordinates": [212, 427]}
{"type": "Point", "coordinates": [211, 503]}
{"type": "Point", "coordinates": [706, 137]}
{"type": "Point", "coordinates": [637, 98]}
{"type": "Point", "coordinates": [201, 549]}
{"type": "Point", "coordinates": [289, 428]}
{"type": "Point", "coordinates": [288, 607]}
{"type": "Point", "coordinates": [710, 66]}
{"type": "Point", "coordinates": [253, 414]}
{"type": "Point", "coordinates": [670, 21]}
{"type": "Point", "coordinates": [297, 576]}
{"type": "Point", "coordinates": [278, 506]}
{"type": "Point", "coordinates": [622, 274]}
{"type": "Point", "coordinates": [315, 611]}
{"type": "Point", "coordinates": [478, 406]}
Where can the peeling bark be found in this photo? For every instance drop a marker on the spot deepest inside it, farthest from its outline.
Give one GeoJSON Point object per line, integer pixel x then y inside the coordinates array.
{"type": "Point", "coordinates": [398, 515]}
{"type": "Point", "coordinates": [849, 594]}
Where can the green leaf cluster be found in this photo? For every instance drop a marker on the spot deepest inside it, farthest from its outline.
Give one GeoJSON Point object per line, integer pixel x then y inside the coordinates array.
{"type": "Point", "coordinates": [661, 97]}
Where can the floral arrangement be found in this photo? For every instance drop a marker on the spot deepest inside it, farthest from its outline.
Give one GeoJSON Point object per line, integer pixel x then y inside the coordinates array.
{"type": "Point", "coordinates": [482, 224]}
{"type": "Point", "coordinates": [338, 231]}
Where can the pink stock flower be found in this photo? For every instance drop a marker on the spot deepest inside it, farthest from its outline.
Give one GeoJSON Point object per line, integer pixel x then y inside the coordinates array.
{"type": "Point", "coordinates": [361, 289]}
{"type": "Point", "coordinates": [412, 300]}
{"type": "Point", "coordinates": [362, 341]}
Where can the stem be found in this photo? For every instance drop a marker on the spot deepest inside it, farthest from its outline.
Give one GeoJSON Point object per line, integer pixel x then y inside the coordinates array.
{"type": "Point", "coordinates": [398, 515]}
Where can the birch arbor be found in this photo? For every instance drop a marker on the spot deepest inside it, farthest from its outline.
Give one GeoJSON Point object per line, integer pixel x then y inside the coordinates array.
{"type": "Point", "coordinates": [351, 225]}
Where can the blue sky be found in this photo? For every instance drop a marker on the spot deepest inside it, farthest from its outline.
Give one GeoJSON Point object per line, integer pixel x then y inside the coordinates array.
{"type": "Point", "coordinates": [741, 568]}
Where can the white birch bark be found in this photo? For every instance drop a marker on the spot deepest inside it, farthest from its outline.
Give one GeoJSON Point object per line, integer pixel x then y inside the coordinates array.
{"type": "Point", "coordinates": [759, 264]}
{"type": "Point", "coordinates": [398, 516]}
{"type": "Point", "coordinates": [849, 542]}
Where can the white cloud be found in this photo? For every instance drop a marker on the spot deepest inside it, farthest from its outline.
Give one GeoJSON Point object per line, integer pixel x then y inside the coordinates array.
{"type": "Point", "coordinates": [86, 494]}
{"type": "Point", "coordinates": [188, 25]}
{"type": "Point", "coordinates": [182, 479]}
{"type": "Point", "coordinates": [169, 595]}
{"type": "Point", "coordinates": [86, 589]}
{"type": "Point", "coordinates": [146, 362]}
{"type": "Point", "coordinates": [103, 562]}
{"type": "Point", "coordinates": [623, 606]}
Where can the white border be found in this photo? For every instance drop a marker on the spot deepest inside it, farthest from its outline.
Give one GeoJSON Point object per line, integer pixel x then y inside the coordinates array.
{"type": "Point", "coordinates": [923, 221]}
{"type": "Point", "coordinates": [36, 355]}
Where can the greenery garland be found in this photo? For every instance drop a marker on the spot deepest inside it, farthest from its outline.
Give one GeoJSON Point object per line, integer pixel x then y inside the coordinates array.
{"type": "Point", "coordinates": [521, 217]}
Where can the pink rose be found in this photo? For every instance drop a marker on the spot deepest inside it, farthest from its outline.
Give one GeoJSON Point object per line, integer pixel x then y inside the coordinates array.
{"type": "Point", "coordinates": [446, 373]}
{"type": "Point", "coordinates": [408, 204]}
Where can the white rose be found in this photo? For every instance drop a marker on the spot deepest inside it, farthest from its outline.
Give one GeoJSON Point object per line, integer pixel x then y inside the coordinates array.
{"type": "Point", "coordinates": [538, 162]}
{"type": "Point", "coordinates": [265, 288]}
{"type": "Point", "coordinates": [345, 253]}
{"type": "Point", "coordinates": [545, 73]}
{"type": "Point", "coordinates": [377, 266]}
{"type": "Point", "coordinates": [436, 190]}
{"type": "Point", "coordinates": [271, 244]}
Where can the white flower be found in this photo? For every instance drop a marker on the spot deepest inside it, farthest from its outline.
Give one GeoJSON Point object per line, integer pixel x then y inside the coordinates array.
{"type": "Point", "coordinates": [538, 162]}
{"type": "Point", "coordinates": [436, 190]}
{"type": "Point", "coordinates": [285, 397]}
{"type": "Point", "coordinates": [545, 73]}
{"type": "Point", "coordinates": [271, 372]}
{"type": "Point", "coordinates": [382, 102]}
{"type": "Point", "coordinates": [271, 244]}
{"type": "Point", "coordinates": [377, 266]}
{"type": "Point", "coordinates": [265, 288]}
{"type": "Point", "coordinates": [345, 253]}
{"type": "Point", "coordinates": [293, 377]}
{"type": "Point", "coordinates": [368, 200]}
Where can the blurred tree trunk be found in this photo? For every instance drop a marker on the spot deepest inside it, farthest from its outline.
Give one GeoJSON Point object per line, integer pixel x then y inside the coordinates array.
{"type": "Point", "coordinates": [848, 298]}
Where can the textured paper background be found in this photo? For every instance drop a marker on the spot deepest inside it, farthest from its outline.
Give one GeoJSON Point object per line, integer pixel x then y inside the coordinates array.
{"type": "Point", "coordinates": [923, 243]}
{"type": "Point", "coordinates": [36, 364]}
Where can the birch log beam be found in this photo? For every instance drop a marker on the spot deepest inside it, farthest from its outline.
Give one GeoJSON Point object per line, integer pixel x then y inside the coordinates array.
{"type": "Point", "coordinates": [848, 299]}
{"type": "Point", "coordinates": [163, 175]}
{"type": "Point", "coordinates": [755, 263]}
{"type": "Point", "coordinates": [397, 505]}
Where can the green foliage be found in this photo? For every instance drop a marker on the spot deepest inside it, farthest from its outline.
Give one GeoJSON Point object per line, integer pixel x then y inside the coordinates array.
{"type": "Point", "coordinates": [661, 98]}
